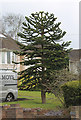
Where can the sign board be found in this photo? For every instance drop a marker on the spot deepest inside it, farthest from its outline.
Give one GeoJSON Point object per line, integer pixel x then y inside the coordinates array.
{"type": "Point", "coordinates": [8, 77]}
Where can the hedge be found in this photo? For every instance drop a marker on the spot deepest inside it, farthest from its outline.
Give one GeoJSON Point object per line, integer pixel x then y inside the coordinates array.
{"type": "Point", "coordinates": [72, 93]}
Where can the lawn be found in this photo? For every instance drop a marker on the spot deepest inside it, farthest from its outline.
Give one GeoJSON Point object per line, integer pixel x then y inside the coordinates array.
{"type": "Point", "coordinates": [32, 99]}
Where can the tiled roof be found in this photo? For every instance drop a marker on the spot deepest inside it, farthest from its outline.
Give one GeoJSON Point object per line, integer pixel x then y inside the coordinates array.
{"type": "Point", "coordinates": [75, 54]}
{"type": "Point", "coordinates": [8, 43]}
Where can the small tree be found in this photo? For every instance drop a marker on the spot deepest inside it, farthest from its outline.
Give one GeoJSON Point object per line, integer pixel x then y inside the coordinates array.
{"type": "Point", "coordinates": [57, 79]}
{"type": "Point", "coordinates": [42, 53]}
{"type": "Point", "coordinates": [11, 24]}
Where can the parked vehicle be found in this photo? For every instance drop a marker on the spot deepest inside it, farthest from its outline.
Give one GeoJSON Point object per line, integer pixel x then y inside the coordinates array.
{"type": "Point", "coordinates": [8, 85]}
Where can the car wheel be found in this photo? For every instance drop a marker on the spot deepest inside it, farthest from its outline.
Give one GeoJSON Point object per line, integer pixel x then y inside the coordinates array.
{"type": "Point", "coordinates": [9, 97]}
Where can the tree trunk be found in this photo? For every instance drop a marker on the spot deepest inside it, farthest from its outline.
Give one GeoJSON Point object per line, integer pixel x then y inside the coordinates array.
{"type": "Point", "coordinates": [43, 96]}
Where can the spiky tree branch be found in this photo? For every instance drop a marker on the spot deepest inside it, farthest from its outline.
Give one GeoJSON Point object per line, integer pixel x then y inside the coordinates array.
{"type": "Point", "coordinates": [40, 33]}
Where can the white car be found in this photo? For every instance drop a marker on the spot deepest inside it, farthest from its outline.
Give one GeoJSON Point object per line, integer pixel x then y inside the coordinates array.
{"type": "Point", "coordinates": [8, 85]}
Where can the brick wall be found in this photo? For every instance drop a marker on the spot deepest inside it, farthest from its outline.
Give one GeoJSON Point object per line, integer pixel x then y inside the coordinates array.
{"type": "Point", "coordinates": [76, 112]}
{"type": "Point", "coordinates": [14, 111]}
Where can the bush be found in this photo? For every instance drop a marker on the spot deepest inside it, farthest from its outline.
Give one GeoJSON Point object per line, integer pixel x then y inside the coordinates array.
{"type": "Point", "coordinates": [72, 93]}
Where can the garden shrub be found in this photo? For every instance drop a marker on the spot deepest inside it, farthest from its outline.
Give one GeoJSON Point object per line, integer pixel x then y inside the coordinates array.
{"type": "Point", "coordinates": [72, 93]}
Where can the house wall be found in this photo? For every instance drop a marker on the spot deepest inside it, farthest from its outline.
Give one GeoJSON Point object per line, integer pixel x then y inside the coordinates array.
{"type": "Point", "coordinates": [75, 61]}
{"type": "Point", "coordinates": [13, 66]}
{"type": "Point", "coordinates": [75, 67]}
{"type": "Point", "coordinates": [10, 66]}
{"type": "Point", "coordinates": [22, 67]}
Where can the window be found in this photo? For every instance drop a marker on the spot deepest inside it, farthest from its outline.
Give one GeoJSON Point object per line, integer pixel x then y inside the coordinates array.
{"type": "Point", "coordinates": [3, 57]}
{"type": "Point", "coordinates": [13, 57]}
{"type": "Point", "coordinates": [8, 57]}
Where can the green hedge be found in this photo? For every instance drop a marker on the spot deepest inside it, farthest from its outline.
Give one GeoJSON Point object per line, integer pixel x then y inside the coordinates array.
{"type": "Point", "coordinates": [72, 93]}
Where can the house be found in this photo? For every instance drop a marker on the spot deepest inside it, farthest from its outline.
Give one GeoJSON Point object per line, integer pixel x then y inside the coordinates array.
{"type": "Point", "coordinates": [7, 46]}
{"type": "Point", "coordinates": [75, 61]}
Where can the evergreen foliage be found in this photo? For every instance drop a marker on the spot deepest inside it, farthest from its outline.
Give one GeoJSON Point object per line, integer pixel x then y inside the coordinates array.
{"type": "Point", "coordinates": [73, 90]}
{"type": "Point", "coordinates": [42, 52]}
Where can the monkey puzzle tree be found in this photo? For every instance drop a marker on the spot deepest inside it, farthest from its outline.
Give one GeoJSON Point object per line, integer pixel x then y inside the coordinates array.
{"type": "Point", "coordinates": [42, 53]}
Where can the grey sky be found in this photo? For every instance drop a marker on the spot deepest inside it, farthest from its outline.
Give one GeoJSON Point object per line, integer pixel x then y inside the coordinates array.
{"type": "Point", "coordinates": [67, 11]}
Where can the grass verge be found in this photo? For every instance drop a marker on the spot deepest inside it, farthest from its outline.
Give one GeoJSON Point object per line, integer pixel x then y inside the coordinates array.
{"type": "Point", "coordinates": [32, 99]}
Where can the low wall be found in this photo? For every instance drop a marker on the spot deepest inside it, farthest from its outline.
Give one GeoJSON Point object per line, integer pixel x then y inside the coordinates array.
{"type": "Point", "coordinates": [15, 112]}
{"type": "Point", "coordinates": [76, 112]}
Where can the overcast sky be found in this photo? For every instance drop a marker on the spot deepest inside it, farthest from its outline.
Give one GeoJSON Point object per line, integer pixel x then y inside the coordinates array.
{"type": "Point", "coordinates": [66, 11]}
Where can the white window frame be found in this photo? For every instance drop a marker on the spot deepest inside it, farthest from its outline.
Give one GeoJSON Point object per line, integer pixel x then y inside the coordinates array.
{"type": "Point", "coordinates": [7, 57]}
{"type": "Point", "coordinates": [14, 57]}
{"type": "Point", "coordinates": [11, 54]}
